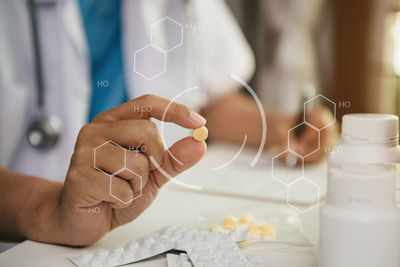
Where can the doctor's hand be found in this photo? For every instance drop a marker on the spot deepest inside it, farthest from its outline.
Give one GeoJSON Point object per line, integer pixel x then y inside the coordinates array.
{"type": "Point", "coordinates": [306, 141]}
{"type": "Point", "coordinates": [99, 194]}
{"type": "Point", "coordinates": [235, 116]}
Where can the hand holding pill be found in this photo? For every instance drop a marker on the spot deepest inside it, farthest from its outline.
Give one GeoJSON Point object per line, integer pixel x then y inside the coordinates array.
{"type": "Point", "coordinates": [69, 219]}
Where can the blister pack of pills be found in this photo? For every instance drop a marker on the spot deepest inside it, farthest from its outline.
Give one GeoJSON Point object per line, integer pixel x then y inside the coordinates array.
{"type": "Point", "coordinates": [216, 253]}
{"type": "Point", "coordinates": [132, 251]}
{"type": "Point", "coordinates": [181, 260]}
{"type": "Point", "coordinates": [181, 235]}
{"type": "Point", "coordinates": [171, 237]}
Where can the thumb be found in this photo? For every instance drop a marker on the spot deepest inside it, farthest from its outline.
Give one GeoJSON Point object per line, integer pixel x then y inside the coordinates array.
{"type": "Point", "coordinates": [187, 151]}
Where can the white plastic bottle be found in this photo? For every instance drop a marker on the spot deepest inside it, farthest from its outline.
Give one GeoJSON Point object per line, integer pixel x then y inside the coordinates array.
{"type": "Point", "coordinates": [359, 222]}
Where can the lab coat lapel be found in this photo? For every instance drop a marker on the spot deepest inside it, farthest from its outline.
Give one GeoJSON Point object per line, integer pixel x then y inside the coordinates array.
{"type": "Point", "coordinates": [137, 18]}
{"type": "Point", "coordinates": [74, 26]}
{"type": "Point", "coordinates": [79, 82]}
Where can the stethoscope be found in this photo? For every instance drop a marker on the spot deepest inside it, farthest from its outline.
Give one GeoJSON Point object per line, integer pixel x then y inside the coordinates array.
{"type": "Point", "coordinates": [43, 131]}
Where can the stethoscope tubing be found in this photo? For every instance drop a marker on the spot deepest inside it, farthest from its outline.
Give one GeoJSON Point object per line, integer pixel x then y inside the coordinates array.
{"type": "Point", "coordinates": [37, 54]}
{"type": "Point", "coordinates": [43, 131]}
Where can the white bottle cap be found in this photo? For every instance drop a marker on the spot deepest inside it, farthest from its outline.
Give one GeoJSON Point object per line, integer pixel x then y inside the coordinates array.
{"type": "Point", "coordinates": [374, 126]}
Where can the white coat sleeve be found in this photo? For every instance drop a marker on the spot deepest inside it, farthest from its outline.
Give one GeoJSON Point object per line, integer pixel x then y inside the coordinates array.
{"type": "Point", "coordinates": [13, 95]}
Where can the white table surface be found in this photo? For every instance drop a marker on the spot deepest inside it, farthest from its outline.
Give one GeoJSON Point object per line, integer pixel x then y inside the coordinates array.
{"type": "Point", "coordinates": [176, 206]}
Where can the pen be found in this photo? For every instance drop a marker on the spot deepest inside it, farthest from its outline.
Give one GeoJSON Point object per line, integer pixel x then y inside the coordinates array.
{"type": "Point", "coordinates": [307, 93]}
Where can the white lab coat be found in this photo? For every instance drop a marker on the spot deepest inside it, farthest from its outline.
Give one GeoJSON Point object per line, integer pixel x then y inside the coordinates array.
{"type": "Point", "coordinates": [205, 60]}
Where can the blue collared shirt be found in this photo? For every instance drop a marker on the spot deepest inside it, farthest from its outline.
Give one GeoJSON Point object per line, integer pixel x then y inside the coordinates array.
{"type": "Point", "coordinates": [102, 21]}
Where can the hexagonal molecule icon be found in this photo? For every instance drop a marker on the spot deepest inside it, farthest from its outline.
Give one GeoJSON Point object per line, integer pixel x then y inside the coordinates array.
{"type": "Point", "coordinates": [297, 191]}
{"type": "Point", "coordinates": [102, 153]}
{"type": "Point", "coordinates": [118, 179]}
{"type": "Point", "coordinates": [316, 101]}
{"type": "Point", "coordinates": [167, 27]}
{"type": "Point", "coordinates": [280, 170]}
{"type": "Point", "coordinates": [149, 62]}
{"type": "Point", "coordinates": [303, 129]}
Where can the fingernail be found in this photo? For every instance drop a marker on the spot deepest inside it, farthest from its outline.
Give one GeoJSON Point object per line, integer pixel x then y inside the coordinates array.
{"type": "Point", "coordinates": [197, 118]}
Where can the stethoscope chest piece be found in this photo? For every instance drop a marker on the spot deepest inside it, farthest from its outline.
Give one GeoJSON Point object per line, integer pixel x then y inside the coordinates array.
{"type": "Point", "coordinates": [44, 131]}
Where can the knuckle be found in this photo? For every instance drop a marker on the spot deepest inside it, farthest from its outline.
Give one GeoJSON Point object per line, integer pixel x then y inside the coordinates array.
{"type": "Point", "coordinates": [81, 156]}
{"type": "Point", "coordinates": [122, 189]}
{"type": "Point", "coordinates": [103, 116]}
{"type": "Point", "coordinates": [178, 111]}
{"type": "Point", "coordinates": [99, 116]}
{"type": "Point", "coordinates": [176, 108]}
{"type": "Point", "coordinates": [148, 98]}
{"type": "Point", "coordinates": [138, 163]}
{"type": "Point", "coordinates": [143, 165]}
{"type": "Point", "coordinates": [325, 114]}
{"type": "Point", "coordinates": [80, 152]}
{"type": "Point", "coordinates": [74, 176]}
{"type": "Point", "coordinates": [149, 128]}
{"type": "Point", "coordinates": [86, 130]}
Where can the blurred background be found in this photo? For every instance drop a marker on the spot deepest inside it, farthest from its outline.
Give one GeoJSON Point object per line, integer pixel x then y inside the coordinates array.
{"type": "Point", "coordinates": [349, 50]}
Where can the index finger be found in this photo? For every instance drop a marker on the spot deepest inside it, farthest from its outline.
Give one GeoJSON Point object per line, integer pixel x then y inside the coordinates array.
{"type": "Point", "coordinates": [151, 106]}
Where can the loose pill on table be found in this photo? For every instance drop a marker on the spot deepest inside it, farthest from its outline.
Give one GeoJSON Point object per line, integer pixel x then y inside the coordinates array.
{"type": "Point", "coordinates": [200, 134]}
{"type": "Point", "coordinates": [255, 233]}
{"type": "Point", "coordinates": [268, 231]}
{"type": "Point", "coordinates": [243, 220]}
{"type": "Point", "coordinates": [228, 227]}
{"type": "Point", "coordinates": [254, 227]}
{"type": "Point", "coordinates": [229, 220]}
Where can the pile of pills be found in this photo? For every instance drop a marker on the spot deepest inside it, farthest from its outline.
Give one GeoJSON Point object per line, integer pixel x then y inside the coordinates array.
{"type": "Point", "coordinates": [204, 248]}
{"type": "Point", "coordinates": [258, 231]}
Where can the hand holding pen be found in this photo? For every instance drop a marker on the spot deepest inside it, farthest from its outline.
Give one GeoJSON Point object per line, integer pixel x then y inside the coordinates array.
{"type": "Point", "coordinates": [291, 132]}
{"type": "Point", "coordinates": [306, 140]}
